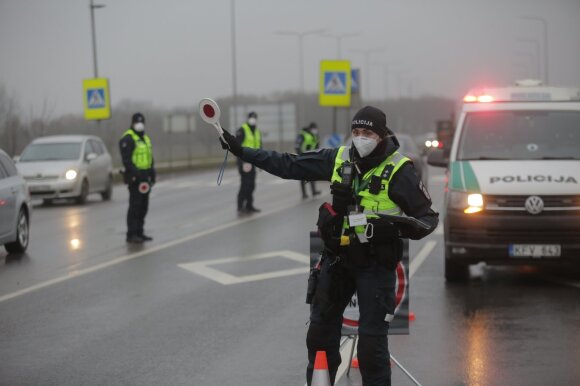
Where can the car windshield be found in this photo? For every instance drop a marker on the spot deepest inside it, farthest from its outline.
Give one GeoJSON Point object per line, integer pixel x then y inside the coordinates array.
{"type": "Point", "coordinates": [51, 152]}
{"type": "Point", "coordinates": [520, 135]}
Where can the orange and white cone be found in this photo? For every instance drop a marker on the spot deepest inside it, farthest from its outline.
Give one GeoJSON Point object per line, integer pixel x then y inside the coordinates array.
{"type": "Point", "coordinates": [320, 376]}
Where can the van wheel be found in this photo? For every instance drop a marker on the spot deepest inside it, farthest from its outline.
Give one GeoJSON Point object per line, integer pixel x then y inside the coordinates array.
{"type": "Point", "coordinates": [108, 193]}
{"type": "Point", "coordinates": [22, 233]}
{"type": "Point", "coordinates": [84, 193]}
{"type": "Point", "coordinates": [456, 272]}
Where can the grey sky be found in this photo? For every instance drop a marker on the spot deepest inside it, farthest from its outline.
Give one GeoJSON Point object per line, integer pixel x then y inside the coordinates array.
{"type": "Point", "coordinates": [174, 52]}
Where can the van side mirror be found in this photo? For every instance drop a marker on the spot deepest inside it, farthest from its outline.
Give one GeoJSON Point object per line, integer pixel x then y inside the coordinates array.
{"type": "Point", "coordinates": [438, 158]}
{"type": "Point", "coordinates": [90, 157]}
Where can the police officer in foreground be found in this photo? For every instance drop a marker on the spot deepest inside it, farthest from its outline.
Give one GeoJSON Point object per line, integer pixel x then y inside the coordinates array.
{"type": "Point", "coordinates": [248, 136]}
{"type": "Point", "coordinates": [307, 140]}
{"type": "Point", "coordinates": [361, 249]}
{"type": "Point", "coordinates": [139, 175]}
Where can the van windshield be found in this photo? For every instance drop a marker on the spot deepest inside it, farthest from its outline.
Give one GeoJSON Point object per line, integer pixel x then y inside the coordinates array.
{"type": "Point", "coordinates": [51, 152]}
{"type": "Point", "coordinates": [520, 135]}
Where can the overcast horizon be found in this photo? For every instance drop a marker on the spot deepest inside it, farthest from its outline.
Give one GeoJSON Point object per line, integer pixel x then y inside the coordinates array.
{"type": "Point", "coordinates": [172, 53]}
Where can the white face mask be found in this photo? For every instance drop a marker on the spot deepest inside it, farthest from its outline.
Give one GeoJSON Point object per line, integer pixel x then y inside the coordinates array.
{"type": "Point", "coordinates": [364, 145]}
{"type": "Point", "coordinates": [139, 127]}
{"type": "Point", "coordinates": [252, 121]}
{"type": "Point", "coordinates": [314, 131]}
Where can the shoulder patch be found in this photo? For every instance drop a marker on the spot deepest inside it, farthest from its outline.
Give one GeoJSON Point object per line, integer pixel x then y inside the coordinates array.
{"type": "Point", "coordinates": [387, 172]}
{"type": "Point", "coordinates": [424, 190]}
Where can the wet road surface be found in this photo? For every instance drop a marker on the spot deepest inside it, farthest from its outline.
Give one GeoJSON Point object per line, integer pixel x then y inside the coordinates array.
{"type": "Point", "coordinates": [219, 300]}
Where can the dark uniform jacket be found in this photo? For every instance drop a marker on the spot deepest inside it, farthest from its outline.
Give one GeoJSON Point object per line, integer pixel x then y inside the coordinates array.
{"type": "Point", "coordinates": [405, 187]}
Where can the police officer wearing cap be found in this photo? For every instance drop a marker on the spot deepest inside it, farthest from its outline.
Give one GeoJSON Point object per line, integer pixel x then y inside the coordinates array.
{"type": "Point", "coordinates": [139, 175]}
{"type": "Point", "coordinates": [248, 136]}
{"type": "Point", "coordinates": [307, 140]}
{"type": "Point", "coordinates": [369, 180]}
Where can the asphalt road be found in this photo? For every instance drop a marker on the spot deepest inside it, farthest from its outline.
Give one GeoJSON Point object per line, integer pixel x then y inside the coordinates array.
{"type": "Point", "coordinates": [219, 300]}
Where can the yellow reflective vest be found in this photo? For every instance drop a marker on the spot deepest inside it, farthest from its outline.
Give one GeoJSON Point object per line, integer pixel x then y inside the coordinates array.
{"type": "Point", "coordinates": [251, 139]}
{"type": "Point", "coordinates": [143, 153]}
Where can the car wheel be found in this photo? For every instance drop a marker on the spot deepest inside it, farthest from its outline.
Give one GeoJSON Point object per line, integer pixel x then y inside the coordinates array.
{"type": "Point", "coordinates": [454, 271]}
{"type": "Point", "coordinates": [22, 233]}
{"type": "Point", "coordinates": [108, 193]}
{"type": "Point", "coordinates": [84, 193]}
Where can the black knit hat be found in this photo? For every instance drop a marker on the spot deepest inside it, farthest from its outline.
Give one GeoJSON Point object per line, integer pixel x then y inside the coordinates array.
{"type": "Point", "coordinates": [372, 119]}
{"type": "Point", "coordinates": [253, 114]}
{"type": "Point", "coordinates": [137, 118]}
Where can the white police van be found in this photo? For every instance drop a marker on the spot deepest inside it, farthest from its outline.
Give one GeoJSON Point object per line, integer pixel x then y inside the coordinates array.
{"type": "Point", "coordinates": [513, 179]}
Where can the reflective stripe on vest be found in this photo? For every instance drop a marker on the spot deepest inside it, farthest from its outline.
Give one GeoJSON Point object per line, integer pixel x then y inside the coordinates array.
{"type": "Point", "coordinates": [143, 152]}
{"type": "Point", "coordinates": [379, 203]}
{"type": "Point", "coordinates": [251, 139]}
{"type": "Point", "coordinates": [309, 142]}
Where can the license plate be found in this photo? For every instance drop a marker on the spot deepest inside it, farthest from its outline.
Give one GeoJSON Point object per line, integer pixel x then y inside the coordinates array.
{"type": "Point", "coordinates": [534, 250]}
{"type": "Point", "coordinates": [39, 188]}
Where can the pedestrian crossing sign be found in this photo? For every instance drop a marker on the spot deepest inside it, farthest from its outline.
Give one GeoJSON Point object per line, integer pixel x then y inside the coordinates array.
{"type": "Point", "coordinates": [96, 99]}
{"type": "Point", "coordinates": [335, 83]}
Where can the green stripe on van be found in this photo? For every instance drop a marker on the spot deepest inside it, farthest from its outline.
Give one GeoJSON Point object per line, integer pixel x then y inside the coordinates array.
{"type": "Point", "coordinates": [463, 178]}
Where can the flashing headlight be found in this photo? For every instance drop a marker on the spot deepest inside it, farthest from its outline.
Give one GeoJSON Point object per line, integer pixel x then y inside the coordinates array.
{"type": "Point", "coordinates": [70, 174]}
{"type": "Point", "coordinates": [470, 99]}
{"type": "Point", "coordinates": [436, 143]}
{"type": "Point", "coordinates": [467, 202]}
{"type": "Point", "coordinates": [428, 143]}
{"type": "Point", "coordinates": [483, 98]}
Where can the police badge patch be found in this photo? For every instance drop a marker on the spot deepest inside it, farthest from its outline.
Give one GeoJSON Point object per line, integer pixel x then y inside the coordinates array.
{"type": "Point", "coordinates": [424, 190]}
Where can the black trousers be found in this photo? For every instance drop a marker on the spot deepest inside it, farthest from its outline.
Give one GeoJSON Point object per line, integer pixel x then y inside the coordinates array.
{"type": "Point", "coordinates": [247, 186]}
{"type": "Point", "coordinates": [138, 206]}
{"type": "Point", "coordinates": [303, 187]}
{"type": "Point", "coordinates": [375, 287]}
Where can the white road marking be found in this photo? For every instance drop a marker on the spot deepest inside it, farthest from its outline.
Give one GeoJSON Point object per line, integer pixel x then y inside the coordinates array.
{"type": "Point", "coordinates": [121, 259]}
{"type": "Point", "coordinates": [421, 256]}
{"type": "Point", "coordinates": [203, 268]}
{"type": "Point", "coordinates": [557, 280]}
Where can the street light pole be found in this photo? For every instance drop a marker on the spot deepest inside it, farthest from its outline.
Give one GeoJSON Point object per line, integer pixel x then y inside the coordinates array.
{"type": "Point", "coordinates": [545, 34]}
{"type": "Point", "coordinates": [234, 67]}
{"type": "Point", "coordinates": [367, 54]}
{"type": "Point", "coordinates": [339, 38]}
{"type": "Point", "coordinates": [92, 7]}
{"type": "Point", "coordinates": [300, 36]}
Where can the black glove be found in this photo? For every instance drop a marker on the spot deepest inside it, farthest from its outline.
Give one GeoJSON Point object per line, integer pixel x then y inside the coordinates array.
{"type": "Point", "coordinates": [342, 197]}
{"type": "Point", "coordinates": [231, 143]}
{"type": "Point", "coordinates": [384, 232]}
{"type": "Point", "coordinates": [329, 226]}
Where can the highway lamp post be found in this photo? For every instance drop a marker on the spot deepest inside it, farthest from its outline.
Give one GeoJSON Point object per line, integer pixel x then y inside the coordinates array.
{"type": "Point", "coordinates": [300, 35]}
{"type": "Point", "coordinates": [234, 68]}
{"type": "Point", "coordinates": [92, 7]}
{"type": "Point", "coordinates": [546, 51]}
{"type": "Point", "coordinates": [367, 54]}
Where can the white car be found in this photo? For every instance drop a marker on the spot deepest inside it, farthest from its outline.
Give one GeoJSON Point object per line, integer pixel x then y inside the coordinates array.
{"type": "Point", "coordinates": [67, 166]}
{"type": "Point", "coordinates": [14, 207]}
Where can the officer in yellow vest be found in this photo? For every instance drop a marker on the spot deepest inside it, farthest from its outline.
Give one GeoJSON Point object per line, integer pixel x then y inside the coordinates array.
{"type": "Point", "coordinates": [307, 140]}
{"type": "Point", "coordinates": [361, 249]}
{"type": "Point", "coordinates": [139, 175]}
{"type": "Point", "coordinates": [248, 136]}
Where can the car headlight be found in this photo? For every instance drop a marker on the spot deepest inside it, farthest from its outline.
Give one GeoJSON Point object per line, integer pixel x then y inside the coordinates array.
{"type": "Point", "coordinates": [70, 174]}
{"type": "Point", "coordinates": [467, 202]}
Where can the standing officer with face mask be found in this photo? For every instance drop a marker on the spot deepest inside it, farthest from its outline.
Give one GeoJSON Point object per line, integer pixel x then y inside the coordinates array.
{"type": "Point", "coordinates": [307, 140]}
{"type": "Point", "coordinates": [248, 136]}
{"type": "Point", "coordinates": [361, 250]}
{"type": "Point", "coordinates": [139, 175]}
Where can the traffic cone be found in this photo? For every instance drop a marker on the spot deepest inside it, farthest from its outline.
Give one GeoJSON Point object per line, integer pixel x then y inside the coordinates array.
{"type": "Point", "coordinates": [354, 363]}
{"type": "Point", "coordinates": [320, 375]}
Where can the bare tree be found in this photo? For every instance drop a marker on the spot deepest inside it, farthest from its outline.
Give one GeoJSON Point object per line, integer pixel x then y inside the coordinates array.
{"type": "Point", "coordinates": [10, 125]}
